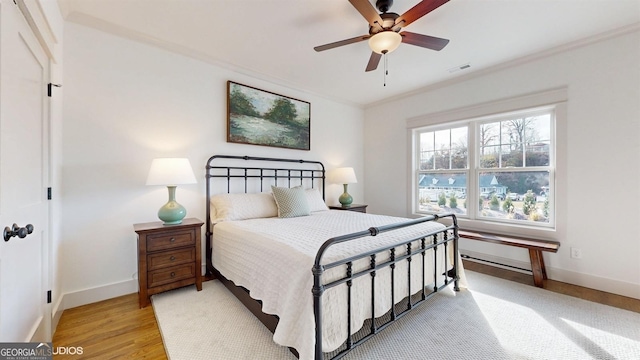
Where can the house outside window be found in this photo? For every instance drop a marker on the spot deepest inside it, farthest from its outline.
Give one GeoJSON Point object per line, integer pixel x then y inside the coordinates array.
{"type": "Point", "coordinates": [497, 168]}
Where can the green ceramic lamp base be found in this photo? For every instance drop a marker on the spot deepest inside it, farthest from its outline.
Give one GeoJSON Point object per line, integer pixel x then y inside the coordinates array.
{"type": "Point", "coordinates": [345, 199]}
{"type": "Point", "coordinates": [172, 213]}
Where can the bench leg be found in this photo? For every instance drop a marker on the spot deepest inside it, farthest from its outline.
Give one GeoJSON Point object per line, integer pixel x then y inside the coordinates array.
{"type": "Point", "coordinates": [537, 267]}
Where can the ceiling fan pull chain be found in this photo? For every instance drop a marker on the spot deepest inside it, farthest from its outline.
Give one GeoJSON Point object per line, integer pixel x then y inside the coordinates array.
{"type": "Point", "coordinates": [386, 71]}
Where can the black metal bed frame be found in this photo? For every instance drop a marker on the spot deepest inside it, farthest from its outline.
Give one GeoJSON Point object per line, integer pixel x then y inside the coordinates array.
{"type": "Point", "coordinates": [431, 240]}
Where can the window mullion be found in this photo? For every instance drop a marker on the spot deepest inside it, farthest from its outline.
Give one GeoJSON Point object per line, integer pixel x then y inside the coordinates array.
{"type": "Point", "coordinates": [500, 144]}
{"type": "Point", "coordinates": [450, 150]}
{"type": "Point", "coordinates": [524, 147]}
{"type": "Point", "coordinates": [472, 168]}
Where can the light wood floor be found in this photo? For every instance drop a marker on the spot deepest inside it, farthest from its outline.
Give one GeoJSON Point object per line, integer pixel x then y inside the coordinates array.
{"type": "Point", "coordinates": [111, 329]}
{"type": "Point", "coordinates": [118, 329]}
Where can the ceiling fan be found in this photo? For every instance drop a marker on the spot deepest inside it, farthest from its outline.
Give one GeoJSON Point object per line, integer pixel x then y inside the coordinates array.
{"type": "Point", "coordinates": [384, 29]}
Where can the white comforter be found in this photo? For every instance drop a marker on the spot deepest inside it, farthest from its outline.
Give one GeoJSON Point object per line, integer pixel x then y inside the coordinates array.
{"type": "Point", "coordinates": [273, 257]}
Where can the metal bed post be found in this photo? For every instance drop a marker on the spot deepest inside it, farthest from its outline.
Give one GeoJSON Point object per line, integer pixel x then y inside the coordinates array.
{"type": "Point", "coordinates": [435, 260]}
{"type": "Point", "coordinates": [456, 236]}
{"type": "Point", "coordinates": [317, 291]}
{"type": "Point", "coordinates": [409, 304]}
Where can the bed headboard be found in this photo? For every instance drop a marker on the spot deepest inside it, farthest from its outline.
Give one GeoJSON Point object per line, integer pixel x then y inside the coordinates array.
{"type": "Point", "coordinates": [250, 174]}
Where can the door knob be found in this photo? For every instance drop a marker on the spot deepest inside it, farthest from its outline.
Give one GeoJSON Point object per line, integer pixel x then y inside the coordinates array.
{"type": "Point", "coordinates": [18, 231]}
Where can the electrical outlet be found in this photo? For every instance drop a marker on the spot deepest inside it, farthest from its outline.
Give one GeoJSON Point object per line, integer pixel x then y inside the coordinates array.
{"type": "Point", "coordinates": [576, 253]}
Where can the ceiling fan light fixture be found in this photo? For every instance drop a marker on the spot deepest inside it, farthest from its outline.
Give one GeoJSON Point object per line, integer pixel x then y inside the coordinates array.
{"type": "Point", "coordinates": [385, 41]}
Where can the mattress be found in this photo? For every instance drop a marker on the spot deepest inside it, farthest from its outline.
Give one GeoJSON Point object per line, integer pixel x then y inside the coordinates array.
{"type": "Point", "coordinates": [273, 257]}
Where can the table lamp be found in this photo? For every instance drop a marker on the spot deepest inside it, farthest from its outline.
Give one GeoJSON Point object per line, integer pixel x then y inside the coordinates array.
{"type": "Point", "coordinates": [345, 176]}
{"type": "Point", "coordinates": [171, 172]}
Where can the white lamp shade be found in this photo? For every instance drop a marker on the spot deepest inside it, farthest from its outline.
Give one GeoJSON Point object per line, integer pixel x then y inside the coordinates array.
{"type": "Point", "coordinates": [344, 175]}
{"type": "Point", "coordinates": [385, 41]}
{"type": "Point", "coordinates": [171, 171]}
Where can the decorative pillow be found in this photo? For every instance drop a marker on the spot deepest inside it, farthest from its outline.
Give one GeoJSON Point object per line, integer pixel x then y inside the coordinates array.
{"type": "Point", "coordinates": [227, 207]}
{"type": "Point", "coordinates": [315, 200]}
{"type": "Point", "coordinates": [291, 202]}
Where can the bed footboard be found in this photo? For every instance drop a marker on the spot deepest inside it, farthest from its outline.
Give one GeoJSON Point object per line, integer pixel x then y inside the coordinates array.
{"type": "Point", "coordinates": [427, 241]}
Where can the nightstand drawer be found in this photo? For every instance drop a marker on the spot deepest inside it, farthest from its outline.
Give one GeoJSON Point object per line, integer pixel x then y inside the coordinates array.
{"type": "Point", "coordinates": [170, 240]}
{"type": "Point", "coordinates": [170, 258]}
{"type": "Point", "coordinates": [172, 274]}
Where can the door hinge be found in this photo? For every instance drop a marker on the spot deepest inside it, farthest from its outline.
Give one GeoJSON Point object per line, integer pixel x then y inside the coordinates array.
{"type": "Point", "coordinates": [48, 193]}
{"type": "Point", "coordinates": [49, 86]}
{"type": "Point", "coordinates": [49, 297]}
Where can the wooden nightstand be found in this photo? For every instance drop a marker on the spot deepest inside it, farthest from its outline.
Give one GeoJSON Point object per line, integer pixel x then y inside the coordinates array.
{"type": "Point", "coordinates": [168, 257]}
{"type": "Point", "coordinates": [353, 207]}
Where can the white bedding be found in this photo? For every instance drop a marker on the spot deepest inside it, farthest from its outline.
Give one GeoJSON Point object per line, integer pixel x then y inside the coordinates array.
{"type": "Point", "coordinates": [273, 257]}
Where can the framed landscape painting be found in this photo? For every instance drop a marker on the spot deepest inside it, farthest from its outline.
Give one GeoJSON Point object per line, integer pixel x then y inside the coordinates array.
{"type": "Point", "coordinates": [261, 117]}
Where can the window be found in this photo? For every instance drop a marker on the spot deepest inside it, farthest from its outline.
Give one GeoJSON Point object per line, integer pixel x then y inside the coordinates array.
{"type": "Point", "coordinates": [443, 169]}
{"type": "Point", "coordinates": [497, 168]}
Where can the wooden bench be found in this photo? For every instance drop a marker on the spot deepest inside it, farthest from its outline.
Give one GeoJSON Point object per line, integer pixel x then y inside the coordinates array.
{"type": "Point", "coordinates": [535, 246]}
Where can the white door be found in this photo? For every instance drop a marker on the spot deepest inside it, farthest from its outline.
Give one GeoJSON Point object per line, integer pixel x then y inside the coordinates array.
{"type": "Point", "coordinates": [24, 138]}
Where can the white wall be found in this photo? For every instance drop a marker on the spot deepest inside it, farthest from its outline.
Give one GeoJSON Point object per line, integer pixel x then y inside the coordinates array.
{"type": "Point", "coordinates": [602, 178]}
{"type": "Point", "coordinates": [127, 103]}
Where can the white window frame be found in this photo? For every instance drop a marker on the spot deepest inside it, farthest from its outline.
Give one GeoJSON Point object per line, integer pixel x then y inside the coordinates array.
{"type": "Point", "coordinates": [552, 100]}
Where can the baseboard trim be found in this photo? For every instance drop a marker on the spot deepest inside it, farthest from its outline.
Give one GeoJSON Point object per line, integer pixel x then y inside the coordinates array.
{"type": "Point", "coordinates": [595, 282]}
{"type": "Point", "coordinates": [98, 293]}
{"type": "Point", "coordinates": [56, 313]}
{"type": "Point", "coordinates": [567, 276]}
{"type": "Point", "coordinates": [38, 332]}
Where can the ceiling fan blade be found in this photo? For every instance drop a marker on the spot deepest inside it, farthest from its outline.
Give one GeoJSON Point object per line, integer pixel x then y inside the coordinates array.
{"type": "Point", "coordinates": [367, 11]}
{"type": "Point", "coordinates": [425, 41]}
{"type": "Point", "coordinates": [341, 43]}
{"type": "Point", "coordinates": [421, 9]}
{"type": "Point", "coordinates": [374, 60]}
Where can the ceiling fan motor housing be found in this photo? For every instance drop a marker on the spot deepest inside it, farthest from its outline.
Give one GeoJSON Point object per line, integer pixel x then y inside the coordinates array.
{"type": "Point", "coordinates": [384, 5]}
{"type": "Point", "coordinates": [388, 22]}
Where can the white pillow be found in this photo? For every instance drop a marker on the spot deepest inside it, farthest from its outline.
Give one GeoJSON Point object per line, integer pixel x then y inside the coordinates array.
{"type": "Point", "coordinates": [314, 199]}
{"type": "Point", "coordinates": [228, 207]}
{"type": "Point", "coordinates": [292, 202]}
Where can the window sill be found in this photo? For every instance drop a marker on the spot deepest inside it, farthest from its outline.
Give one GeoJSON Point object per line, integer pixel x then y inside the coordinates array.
{"type": "Point", "coordinates": [549, 233]}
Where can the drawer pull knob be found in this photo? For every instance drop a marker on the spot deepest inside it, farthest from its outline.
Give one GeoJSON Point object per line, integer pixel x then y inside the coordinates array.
{"type": "Point", "coordinates": [172, 240]}
{"type": "Point", "coordinates": [172, 258]}
{"type": "Point", "coordinates": [173, 274]}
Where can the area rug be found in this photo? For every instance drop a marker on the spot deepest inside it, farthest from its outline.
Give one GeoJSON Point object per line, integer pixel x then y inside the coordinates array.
{"type": "Point", "coordinates": [493, 319]}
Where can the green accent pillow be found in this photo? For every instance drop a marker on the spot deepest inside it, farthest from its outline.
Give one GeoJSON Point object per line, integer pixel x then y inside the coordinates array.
{"type": "Point", "coordinates": [291, 202]}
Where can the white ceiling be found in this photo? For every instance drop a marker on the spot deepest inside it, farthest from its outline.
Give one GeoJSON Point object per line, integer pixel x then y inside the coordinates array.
{"type": "Point", "coordinates": [274, 39]}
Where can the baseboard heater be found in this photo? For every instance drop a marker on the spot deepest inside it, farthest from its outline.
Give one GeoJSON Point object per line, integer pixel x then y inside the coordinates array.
{"type": "Point", "coordinates": [493, 262]}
